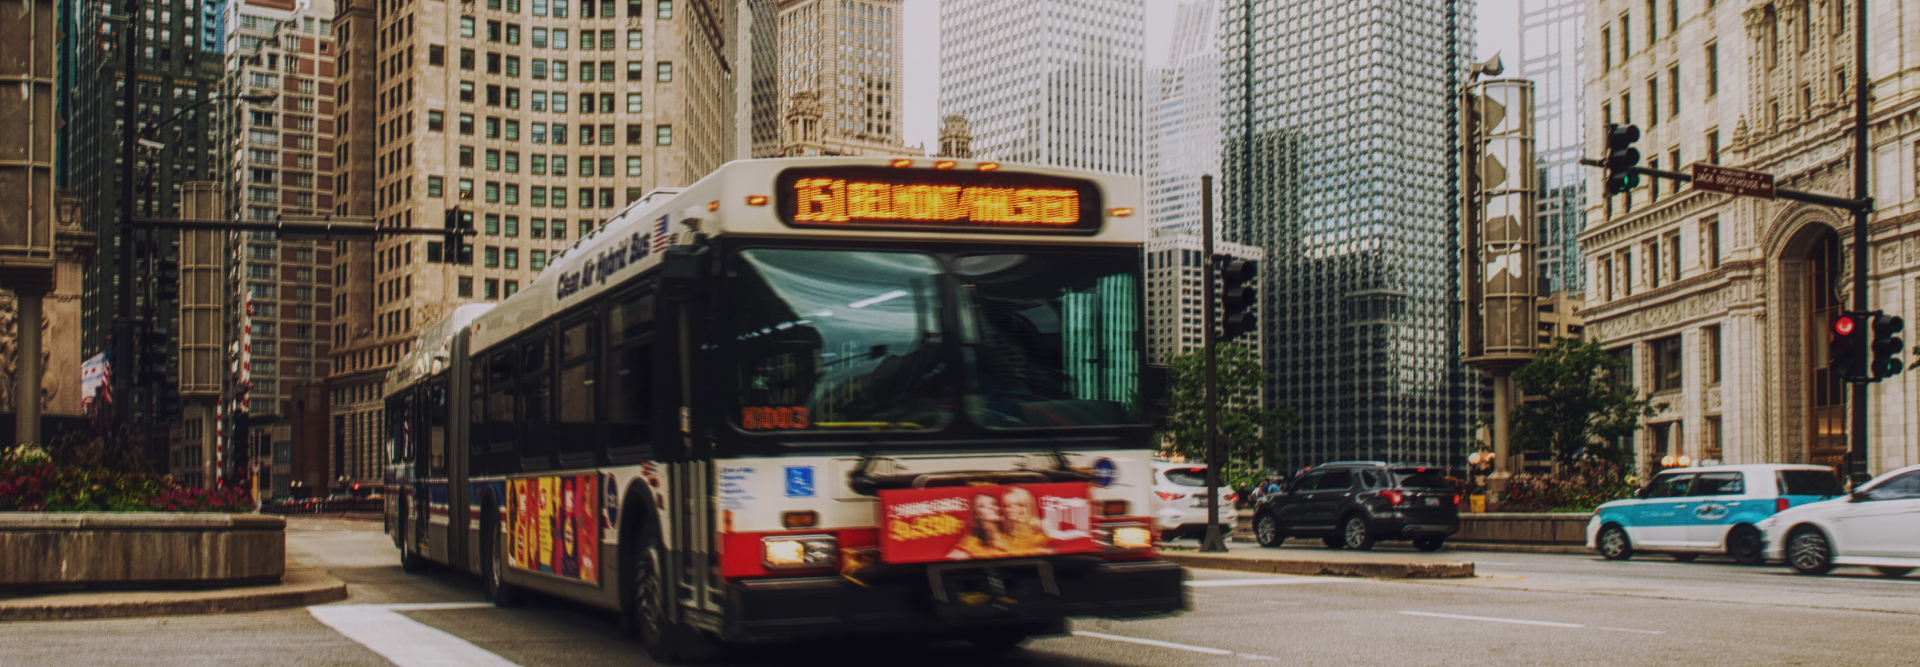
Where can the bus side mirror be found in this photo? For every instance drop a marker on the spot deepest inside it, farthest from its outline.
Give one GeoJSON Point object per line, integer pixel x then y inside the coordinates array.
{"type": "Point", "coordinates": [1153, 390]}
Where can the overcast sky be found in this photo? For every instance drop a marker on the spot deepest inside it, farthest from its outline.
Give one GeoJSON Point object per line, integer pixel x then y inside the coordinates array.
{"type": "Point", "coordinates": [1499, 30]}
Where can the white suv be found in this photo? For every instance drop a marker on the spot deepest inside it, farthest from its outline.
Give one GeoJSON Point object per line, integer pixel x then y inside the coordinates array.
{"type": "Point", "coordinates": [1180, 501]}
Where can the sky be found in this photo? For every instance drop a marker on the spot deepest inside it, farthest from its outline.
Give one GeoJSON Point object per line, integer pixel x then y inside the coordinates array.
{"type": "Point", "coordinates": [1498, 28]}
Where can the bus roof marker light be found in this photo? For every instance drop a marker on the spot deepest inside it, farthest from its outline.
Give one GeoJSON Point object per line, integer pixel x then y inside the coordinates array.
{"type": "Point", "coordinates": [902, 163]}
{"type": "Point", "coordinates": [713, 206]}
{"type": "Point", "coordinates": [756, 200]}
{"type": "Point", "coordinates": [1120, 212]}
{"type": "Point", "coordinates": [988, 166]}
{"type": "Point", "coordinates": [943, 164]}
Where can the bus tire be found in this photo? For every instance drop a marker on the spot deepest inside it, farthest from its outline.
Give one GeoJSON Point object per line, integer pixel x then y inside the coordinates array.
{"type": "Point", "coordinates": [493, 561]}
{"type": "Point", "coordinates": [644, 598]}
{"type": "Point", "coordinates": [410, 562]}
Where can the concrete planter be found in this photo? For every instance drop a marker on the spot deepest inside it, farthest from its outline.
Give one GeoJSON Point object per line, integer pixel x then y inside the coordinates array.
{"type": "Point", "coordinates": [1536, 528]}
{"type": "Point", "coordinates": [140, 550]}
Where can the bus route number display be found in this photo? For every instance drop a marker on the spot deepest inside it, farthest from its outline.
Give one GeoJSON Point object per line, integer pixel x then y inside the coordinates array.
{"type": "Point", "coordinates": [923, 200]}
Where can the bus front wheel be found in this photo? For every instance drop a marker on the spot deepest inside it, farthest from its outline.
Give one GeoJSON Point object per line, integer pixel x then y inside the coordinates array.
{"type": "Point", "coordinates": [644, 609]}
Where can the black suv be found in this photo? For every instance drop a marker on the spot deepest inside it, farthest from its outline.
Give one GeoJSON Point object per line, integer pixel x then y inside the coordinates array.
{"type": "Point", "coordinates": [1352, 504]}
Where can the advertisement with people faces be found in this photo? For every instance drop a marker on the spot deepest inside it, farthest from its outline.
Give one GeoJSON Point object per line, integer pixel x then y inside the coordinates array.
{"type": "Point", "coordinates": [981, 522]}
{"type": "Point", "coordinates": [556, 526]}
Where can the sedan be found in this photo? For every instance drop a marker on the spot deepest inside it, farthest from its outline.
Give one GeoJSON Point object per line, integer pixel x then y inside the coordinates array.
{"type": "Point", "coordinates": [1877, 526]}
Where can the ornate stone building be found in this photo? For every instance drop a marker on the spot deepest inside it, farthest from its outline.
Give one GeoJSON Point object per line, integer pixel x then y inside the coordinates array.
{"type": "Point", "coordinates": [1722, 304]}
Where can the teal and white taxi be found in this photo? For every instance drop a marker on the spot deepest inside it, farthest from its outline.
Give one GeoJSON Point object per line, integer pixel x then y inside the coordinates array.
{"type": "Point", "coordinates": [1690, 512]}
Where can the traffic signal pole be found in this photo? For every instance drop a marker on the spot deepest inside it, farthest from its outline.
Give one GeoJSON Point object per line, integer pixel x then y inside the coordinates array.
{"type": "Point", "coordinates": [1215, 456]}
{"type": "Point", "coordinates": [1857, 453]}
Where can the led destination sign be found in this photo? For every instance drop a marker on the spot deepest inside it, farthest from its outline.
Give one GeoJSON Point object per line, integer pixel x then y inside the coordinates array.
{"type": "Point", "coordinates": [881, 198]}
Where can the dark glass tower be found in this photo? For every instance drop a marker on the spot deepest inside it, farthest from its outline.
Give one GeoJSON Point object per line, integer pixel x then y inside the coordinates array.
{"type": "Point", "coordinates": [1341, 131]}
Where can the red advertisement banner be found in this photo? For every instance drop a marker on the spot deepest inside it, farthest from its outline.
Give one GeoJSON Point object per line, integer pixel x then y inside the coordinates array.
{"type": "Point", "coordinates": [556, 526]}
{"type": "Point", "coordinates": [980, 522]}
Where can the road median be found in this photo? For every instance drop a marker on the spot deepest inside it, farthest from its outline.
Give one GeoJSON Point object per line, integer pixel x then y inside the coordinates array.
{"type": "Point", "coordinates": [299, 587]}
{"type": "Point", "coordinates": [1322, 563]}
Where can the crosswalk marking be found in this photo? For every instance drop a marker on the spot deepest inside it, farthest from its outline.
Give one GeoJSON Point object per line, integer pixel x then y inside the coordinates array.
{"type": "Point", "coordinates": [404, 641]}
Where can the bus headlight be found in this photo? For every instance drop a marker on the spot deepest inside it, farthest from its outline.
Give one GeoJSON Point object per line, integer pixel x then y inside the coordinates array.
{"type": "Point", "coordinates": [789, 552]}
{"type": "Point", "coordinates": [1126, 536]}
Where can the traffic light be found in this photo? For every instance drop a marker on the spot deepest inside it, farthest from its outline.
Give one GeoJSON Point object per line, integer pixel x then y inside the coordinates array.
{"type": "Point", "coordinates": [1622, 157]}
{"type": "Point", "coordinates": [1886, 344]}
{"type": "Point", "coordinates": [1846, 350]}
{"type": "Point", "coordinates": [455, 250]}
{"type": "Point", "coordinates": [1237, 296]}
{"type": "Point", "coordinates": [166, 279]}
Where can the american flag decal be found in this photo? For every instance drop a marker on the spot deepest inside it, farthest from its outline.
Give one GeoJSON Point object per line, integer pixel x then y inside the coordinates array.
{"type": "Point", "coordinates": [660, 238]}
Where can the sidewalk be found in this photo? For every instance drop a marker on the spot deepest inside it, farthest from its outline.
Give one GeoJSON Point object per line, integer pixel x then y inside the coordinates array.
{"type": "Point", "coordinates": [1245, 557]}
{"type": "Point", "coordinates": [300, 586]}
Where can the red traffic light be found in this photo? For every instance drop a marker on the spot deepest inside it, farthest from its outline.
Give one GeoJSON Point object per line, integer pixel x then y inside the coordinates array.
{"type": "Point", "coordinates": [1843, 326]}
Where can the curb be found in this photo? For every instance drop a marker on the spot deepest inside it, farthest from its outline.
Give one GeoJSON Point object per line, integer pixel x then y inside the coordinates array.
{"type": "Point", "coordinates": [299, 588]}
{"type": "Point", "coordinates": [1369, 569]}
{"type": "Point", "coordinates": [1562, 549]}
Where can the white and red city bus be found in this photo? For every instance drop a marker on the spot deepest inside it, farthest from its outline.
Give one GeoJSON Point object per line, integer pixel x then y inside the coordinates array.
{"type": "Point", "coordinates": [805, 397]}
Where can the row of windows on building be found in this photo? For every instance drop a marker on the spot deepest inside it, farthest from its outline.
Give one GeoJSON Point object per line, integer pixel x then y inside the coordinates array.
{"type": "Point", "coordinates": [509, 97]}
{"type": "Point", "coordinates": [606, 9]}
{"type": "Point", "coordinates": [508, 194]}
{"type": "Point", "coordinates": [508, 129]}
{"type": "Point", "coordinates": [1660, 260]}
{"type": "Point", "coordinates": [557, 70]}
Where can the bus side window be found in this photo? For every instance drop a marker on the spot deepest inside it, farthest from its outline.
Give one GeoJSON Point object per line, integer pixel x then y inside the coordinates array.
{"type": "Point", "coordinates": [629, 377]}
{"type": "Point", "coordinates": [435, 410]}
{"type": "Point", "coordinates": [535, 398]}
{"type": "Point", "coordinates": [577, 438]}
{"type": "Point", "coordinates": [501, 429]}
{"type": "Point", "coordinates": [480, 459]}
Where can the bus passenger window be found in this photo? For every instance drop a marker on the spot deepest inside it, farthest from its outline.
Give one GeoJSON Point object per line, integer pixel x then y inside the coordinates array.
{"type": "Point", "coordinates": [536, 403]}
{"type": "Point", "coordinates": [629, 376]}
{"type": "Point", "coordinates": [500, 423]}
{"type": "Point", "coordinates": [575, 430]}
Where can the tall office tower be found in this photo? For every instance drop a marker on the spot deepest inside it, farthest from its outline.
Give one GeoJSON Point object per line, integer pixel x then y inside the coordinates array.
{"type": "Point", "coordinates": [1553, 33]}
{"type": "Point", "coordinates": [539, 119]}
{"type": "Point", "coordinates": [1174, 296]}
{"type": "Point", "coordinates": [759, 117]}
{"type": "Point", "coordinates": [840, 71]}
{"type": "Point", "coordinates": [282, 158]}
{"type": "Point", "coordinates": [1184, 111]}
{"type": "Point", "coordinates": [1341, 130]}
{"type": "Point", "coordinates": [1047, 81]}
{"type": "Point", "coordinates": [177, 68]}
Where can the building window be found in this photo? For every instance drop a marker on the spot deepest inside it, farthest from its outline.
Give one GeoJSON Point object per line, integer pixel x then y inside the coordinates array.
{"type": "Point", "coordinates": [466, 91]}
{"type": "Point", "coordinates": [436, 55]}
{"type": "Point", "coordinates": [492, 260]}
{"type": "Point", "coordinates": [465, 287]}
{"type": "Point", "coordinates": [1713, 147]}
{"type": "Point", "coordinates": [1713, 442]}
{"type": "Point", "coordinates": [436, 121]}
{"type": "Point", "coordinates": [1713, 347]}
{"type": "Point", "coordinates": [1713, 70]}
{"type": "Point", "coordinates": [492, 226]}
{"type": "Point", "coordinates": [633, 102]}
{"type": "Point", "coordinates": [1667, 357]}
{"type": "Point", "coordinates": [664, 9]}
{"type": "Point", "coordinates": [1673, 93]}
{"type": "Point", "coordinates": [434, 185]}
{"type": "Point", "coordinates": [513, 258]}
{"type": "Point", "coordinates": [633, 165]}
{"type": "Point", "coordinates": [466, 26]}
{"type": "Point", "coordinates": [664, 71]}
{"type": "Point", "coordinates": [537, 260]}
{"type": "Point", "coordinates": [1672, 241]}
{"type": "Point", "coordinates": [663, 135]}
{"type": "Point", "coordinates": [1710, 242]}
{"type": "Point", "coordinates": [492, 289]}
{"type": "Point", "coordinates": [633, 40]}
{"type": "Point", "coordinates": [1606, 49]}
{"type": "Point", "coordinates": [467, 59]}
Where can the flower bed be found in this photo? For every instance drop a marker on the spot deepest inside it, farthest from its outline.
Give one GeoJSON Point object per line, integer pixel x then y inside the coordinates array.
{"type": "Point", "coordinates": [30, 481]}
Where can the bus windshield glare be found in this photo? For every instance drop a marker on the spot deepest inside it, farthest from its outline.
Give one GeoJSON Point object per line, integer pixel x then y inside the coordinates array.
{"type": "Point", "coordinates": [838, 339]}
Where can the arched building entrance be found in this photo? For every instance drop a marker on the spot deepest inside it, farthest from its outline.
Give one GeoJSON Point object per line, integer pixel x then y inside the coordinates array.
{"type": "Point", "coordinates": [1826, 394]}
{"type": "Point", "coordinates": [1812, 419]}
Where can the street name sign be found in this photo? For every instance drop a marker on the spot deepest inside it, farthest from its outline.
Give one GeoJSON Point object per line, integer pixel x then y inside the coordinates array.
{"type": "Point", "coordinates": [1715, 178]}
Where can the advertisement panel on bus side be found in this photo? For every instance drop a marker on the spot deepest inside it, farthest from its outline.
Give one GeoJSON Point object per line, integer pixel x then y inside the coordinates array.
{"type": "Point", "coordinates": [976, 522]}
{"type": "Point", "coordinates": [556, 526]}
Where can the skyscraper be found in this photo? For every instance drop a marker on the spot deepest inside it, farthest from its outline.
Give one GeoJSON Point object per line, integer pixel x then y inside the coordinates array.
{"type": "Point", "coordinates": [538, 118]}
{"type": "Point", "coordinates": [840, 70]}
{"type": "Point", "coordinates": [1047, 81]}
{"type": "Point", "coordinates": [1340, 162]}
{"type": "Point", "coordinates": [1551, 56]}
{"type": "Point", "coordinates": [1183, 117]}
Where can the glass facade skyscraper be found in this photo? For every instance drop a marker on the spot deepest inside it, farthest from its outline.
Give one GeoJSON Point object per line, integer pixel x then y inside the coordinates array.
{"type": "Point", "coordinates": [1341, 134]}
{"type": "Point", "coordinates": [1183, 120]}
{"type": "Point", "coordinates": [1047, 81]}
{"type": "Point", "coordinates": [1552, 32]}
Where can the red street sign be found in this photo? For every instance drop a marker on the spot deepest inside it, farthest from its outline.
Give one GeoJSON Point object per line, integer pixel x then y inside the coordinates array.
{"type": "Point", "coordinates": [1715, 178]}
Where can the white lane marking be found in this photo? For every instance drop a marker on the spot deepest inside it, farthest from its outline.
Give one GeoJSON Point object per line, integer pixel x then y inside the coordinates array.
{"type": "Point", "coordinates": [435, 606]}
{"type": "Point", "coordinates": [1492, 619]}
{"type": "Point", "coordinates": [1275, 581]}
{"type": "Point", "coordinates": [1181, 647]}
{"type": "Point", "coordinates": [404, 641]}
{"type": "Point", "coordinates": [1481, 562]}
{"type": "Point", "coordinates": [1519, 621]}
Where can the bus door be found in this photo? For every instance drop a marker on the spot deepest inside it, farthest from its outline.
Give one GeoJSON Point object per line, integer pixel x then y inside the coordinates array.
{"type": "Point", "coordinates": [693, 511]}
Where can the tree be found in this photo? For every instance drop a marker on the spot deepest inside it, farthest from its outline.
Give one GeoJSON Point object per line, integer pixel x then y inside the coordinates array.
{"type": "Point", "coordinates": [1578, 407]}
{"type": "Point", "coordinates": [1250, 429]}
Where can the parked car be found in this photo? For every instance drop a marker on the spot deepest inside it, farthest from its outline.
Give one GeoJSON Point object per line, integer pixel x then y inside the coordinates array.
{"type": "Point", "coordinates": [1690, 512]}
{"type": "Point", "coordinates": [1180, 501]}
{"type": "Point", "coordinates": [1354, 504]}
{"type": "Point", "coordinates": [1877, 526]}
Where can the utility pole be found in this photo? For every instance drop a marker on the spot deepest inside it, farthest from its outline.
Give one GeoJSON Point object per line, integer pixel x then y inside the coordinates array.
{"type": "Point", "coordinates": [1857, 456]}
{"type": "Point", "coordinates": [1216, 454]}
{"type": "Point", "coordinates": [123, 365]}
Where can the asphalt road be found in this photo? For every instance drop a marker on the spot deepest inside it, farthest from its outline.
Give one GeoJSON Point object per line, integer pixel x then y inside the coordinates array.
{"type": "Point", "coordinates": [1525, 609]}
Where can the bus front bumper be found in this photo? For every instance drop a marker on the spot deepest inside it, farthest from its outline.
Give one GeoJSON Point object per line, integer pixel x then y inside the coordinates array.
{"type": "Point", "coordinates": [770, 609]}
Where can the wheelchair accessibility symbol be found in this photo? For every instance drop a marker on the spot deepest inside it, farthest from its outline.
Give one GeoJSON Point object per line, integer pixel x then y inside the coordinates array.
{"type": "Point", "coordinates": [800, 482]}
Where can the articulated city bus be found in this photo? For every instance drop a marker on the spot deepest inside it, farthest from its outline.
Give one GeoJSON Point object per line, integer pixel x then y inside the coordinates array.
{"type": "Point", "coordinates": [805, 397]}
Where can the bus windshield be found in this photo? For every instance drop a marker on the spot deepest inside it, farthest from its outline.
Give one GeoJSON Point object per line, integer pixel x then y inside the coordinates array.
{"type": "Point", "coordinates": [835, 339]}
{"type": "Point", "coordinates": [843, 339]}
{"type": "Point", "coordinates": [1052, 339]}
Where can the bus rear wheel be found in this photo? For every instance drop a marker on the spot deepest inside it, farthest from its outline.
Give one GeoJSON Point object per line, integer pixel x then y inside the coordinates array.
{"type": "Point", "coordinates": [410, 562]}
{"type": "Point", "coordinates": [493, 562]}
